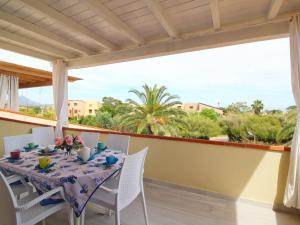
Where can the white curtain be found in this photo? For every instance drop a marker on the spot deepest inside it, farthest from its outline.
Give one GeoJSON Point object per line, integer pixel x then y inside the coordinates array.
{"type": "Point", "coordinates": [60, 94]}
{"type": "Point", "coordinates": [292, 191]}
{"type": "Point", "coordinates": [9, 92]}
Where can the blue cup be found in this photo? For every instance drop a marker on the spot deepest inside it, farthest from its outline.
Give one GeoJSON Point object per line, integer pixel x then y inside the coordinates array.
{"type": "Point", "coordinates": [100, 146]}
{"type": "Point", "coordinates": [110, 160]}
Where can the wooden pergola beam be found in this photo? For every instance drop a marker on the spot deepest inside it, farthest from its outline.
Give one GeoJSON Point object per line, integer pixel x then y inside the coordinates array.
{"type": "Point", "coordinates": [35, 84]}
{"type": "Point", "coordinates": [215, 14]}
{"type": "Point", "coordinates": [35, 45]}
{"type": "Point", "coordinates": [218, 39]}
{"type": "Point", "coordinates": [26, 51]}
{"type": "Point", "coordinates": [45, 34]}
{"type": "Point", "coordinates": [274, 9]}
{"type": "Point", "coordinates": [68, 22]}
{"type": "Point", "coordinates": [29, 71]}
{"type": "Point", "coordinates": [113, 20]}
{"type": "Point", "coordinates": [161, 16]}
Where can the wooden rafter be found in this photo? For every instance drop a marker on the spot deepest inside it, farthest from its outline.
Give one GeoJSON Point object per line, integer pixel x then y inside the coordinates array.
{"type": "Point", "coordinates": [275, 8]}
{"type": "Point", "coordinates": [68, 22]}
{"type": "Point", "coordinates": [35, 45]}
{"type": "Point", "coordinates": [113, 20]}
{"type": "Point", "coordinates": [215, 13]}
{"type": "Point", "coordinates": [45, 34]}
{"type": "Point", "coordinates": [159, 13]}
{"type": "Point", "coordinates": [26, 51]}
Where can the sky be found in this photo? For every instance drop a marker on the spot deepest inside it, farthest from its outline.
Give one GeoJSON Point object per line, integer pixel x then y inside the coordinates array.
{"type": "Point", "coordinates": [219, 76]}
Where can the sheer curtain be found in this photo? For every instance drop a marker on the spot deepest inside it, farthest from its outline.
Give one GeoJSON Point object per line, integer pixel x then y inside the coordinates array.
{"type": "Point", "coordinates": [292, 191]}
{"type": "Point", "coordinates": [60, 94]}
{"type": "Point", "coordinates": [9, 92]}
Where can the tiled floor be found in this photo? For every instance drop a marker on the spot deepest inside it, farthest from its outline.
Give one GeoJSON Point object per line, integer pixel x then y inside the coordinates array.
{"type": "Point", "coordinates": [169, 206]}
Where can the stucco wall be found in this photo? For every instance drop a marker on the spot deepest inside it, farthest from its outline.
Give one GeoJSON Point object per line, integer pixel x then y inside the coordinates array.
{"type": "Point", "coordinates": [252, 174]}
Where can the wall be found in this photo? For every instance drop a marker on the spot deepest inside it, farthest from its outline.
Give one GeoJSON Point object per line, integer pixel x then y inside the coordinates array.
{"type": "Point", "coordinates": [238, 172]}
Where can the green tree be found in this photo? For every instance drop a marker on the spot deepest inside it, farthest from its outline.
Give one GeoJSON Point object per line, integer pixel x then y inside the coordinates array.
{"type": "Point", "coordinates": [201, 126]}
{"type": "Point", "coordinates": [114, 106]}
{"type": "Point", "coordinates": [155, 113]}
{"type": "Point", "coordinates": [104, 120]}
{"type": "Point", "coordinates": [257, 107]}
{"type": "Point", "coordinates": [286, 133]}
{"type": "Point", "coordinates": [209, 113]}
{"type": "Point", "coordinates": [237, 107]}
{"type": "Point", "coordinates": [251, 128]}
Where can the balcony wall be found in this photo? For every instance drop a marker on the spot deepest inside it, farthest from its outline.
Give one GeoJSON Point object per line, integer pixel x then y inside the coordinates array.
{"type": "Point", "coordinates": [255, 173]}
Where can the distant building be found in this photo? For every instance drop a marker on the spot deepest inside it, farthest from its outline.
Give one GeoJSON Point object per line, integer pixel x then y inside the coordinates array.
{"type": "Point", "coordinates": [198, 107]}
{"type": "Point", "coordinates": [82, 108]}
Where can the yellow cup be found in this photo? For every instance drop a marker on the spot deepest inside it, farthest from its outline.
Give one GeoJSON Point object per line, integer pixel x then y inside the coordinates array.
{"type": "Point", "coordinates": [44, 162]}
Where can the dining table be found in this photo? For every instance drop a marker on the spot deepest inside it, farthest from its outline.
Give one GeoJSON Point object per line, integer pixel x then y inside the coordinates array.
{"type": "Point", "coordinates": [79, 179]}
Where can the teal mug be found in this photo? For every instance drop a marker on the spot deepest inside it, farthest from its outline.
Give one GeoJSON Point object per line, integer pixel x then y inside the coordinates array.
{"type": "Point", "coordinates": [100, 146]}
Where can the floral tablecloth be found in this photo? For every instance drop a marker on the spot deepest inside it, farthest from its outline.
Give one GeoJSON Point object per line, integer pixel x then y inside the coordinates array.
{"type": "Point", "coordinates": [79, 180]}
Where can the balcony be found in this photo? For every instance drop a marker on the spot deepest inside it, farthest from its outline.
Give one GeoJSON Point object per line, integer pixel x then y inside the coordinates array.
{"type": "Point", "coordinates": [197, 182]}
{"type": "Point", "coordinates": [187, 181]}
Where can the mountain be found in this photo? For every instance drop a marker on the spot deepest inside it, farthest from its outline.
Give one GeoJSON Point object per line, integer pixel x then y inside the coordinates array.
{"type": "Point", "coordinates": [24, 101]}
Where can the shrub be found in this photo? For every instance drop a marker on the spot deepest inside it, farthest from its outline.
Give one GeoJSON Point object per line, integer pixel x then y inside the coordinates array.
{"type": "Point", "coordinates": [210, 114]}
{"type": "Point", "coordinates": [251, 128]}
{"type": "Point", "coordinates": [199, 126]}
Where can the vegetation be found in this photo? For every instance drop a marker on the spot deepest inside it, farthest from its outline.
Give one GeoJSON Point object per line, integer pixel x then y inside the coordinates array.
{"type": "Point", "coordinates": [154, 111]}
{"type": "Point", "coordinates": [257, 106]}
{"type": "Point", "coordinates": [40, 111]}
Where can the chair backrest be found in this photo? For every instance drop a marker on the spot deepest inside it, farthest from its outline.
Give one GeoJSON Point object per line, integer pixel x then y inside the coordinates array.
{"type": "Point", "coordinates": [43, 136]}
{"type": "Point", "coordinates": [16, 142]}
{"type": "Point", "coordinates": [90, 139]}
{"type": "Point", "coordinates": [8, 204]}
{"type": "Point", "coordinates": [131, 178]}
{"type": "Point", "coordinates": [118, 142]}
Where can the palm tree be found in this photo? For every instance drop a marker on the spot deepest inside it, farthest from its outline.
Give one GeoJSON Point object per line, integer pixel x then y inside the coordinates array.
{"type": "Point", "coordinates": [286, 133]}
{"type": "Point", "coordinates": [156, 113]}
{"type": "Point", "coordinates": [257, 106]}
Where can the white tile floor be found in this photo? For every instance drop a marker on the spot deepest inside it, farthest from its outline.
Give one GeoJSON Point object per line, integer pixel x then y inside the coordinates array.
{"type": "Point", "coordinates": [169, 206]}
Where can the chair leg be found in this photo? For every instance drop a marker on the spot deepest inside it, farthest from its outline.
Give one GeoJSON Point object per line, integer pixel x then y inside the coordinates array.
{"type": "Point", "coordinates": [117, 217]}
{"type": "Point", "coordinates": [144, 207]}
{"type": "Point", "coordinates": [71, 216]}
{"type": "Point", "coordinates": [82, 217]}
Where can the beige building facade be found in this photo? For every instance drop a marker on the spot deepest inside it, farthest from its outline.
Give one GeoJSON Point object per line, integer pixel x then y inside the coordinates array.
{"type": "Point", "coordinates": [82, 108]}
{"type": "Point", "coordinates": [198, 107]}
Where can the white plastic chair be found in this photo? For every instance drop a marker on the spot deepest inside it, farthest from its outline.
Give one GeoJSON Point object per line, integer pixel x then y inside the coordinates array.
{"type": "Point", "coordinates": [118, 194]}
{"type": "Point", "coordinates": [16, 142]}
{"type": "Point", "coordinates": [27, 211]}
{"type": "Point", "coordinates": [118, 142]}
{"type": "Point", "coordinates": [12, 143]}
{"type": "Point", "coordinates": [90, 139]}
{"type": "Point", "coordinates": [43, 136]}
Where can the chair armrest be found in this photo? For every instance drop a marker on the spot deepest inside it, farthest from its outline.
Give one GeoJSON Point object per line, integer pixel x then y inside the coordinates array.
{"type": "Point", "coordinates": [111, 191]}
{"type": "Point", "coordinates": [39, 199]}
{"type": "Point", "coordinates": [13, 178]}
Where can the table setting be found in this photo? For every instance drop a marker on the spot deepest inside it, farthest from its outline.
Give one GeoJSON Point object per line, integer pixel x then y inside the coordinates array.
{"type": "Point", "coordinates": [68, 163]}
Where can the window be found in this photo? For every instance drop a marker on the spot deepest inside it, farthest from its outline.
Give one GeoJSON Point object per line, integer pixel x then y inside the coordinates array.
{"type": "Point", "coordinates": [75, 103]}
{"type": "Point", "coordinates": [179, 107]}
{"type": "Point", "coordinates": [75, 111]}
{"type": "Point", "coordinates": [90, 111]}
{"type": "Point", "coordinates": [191, 107]}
